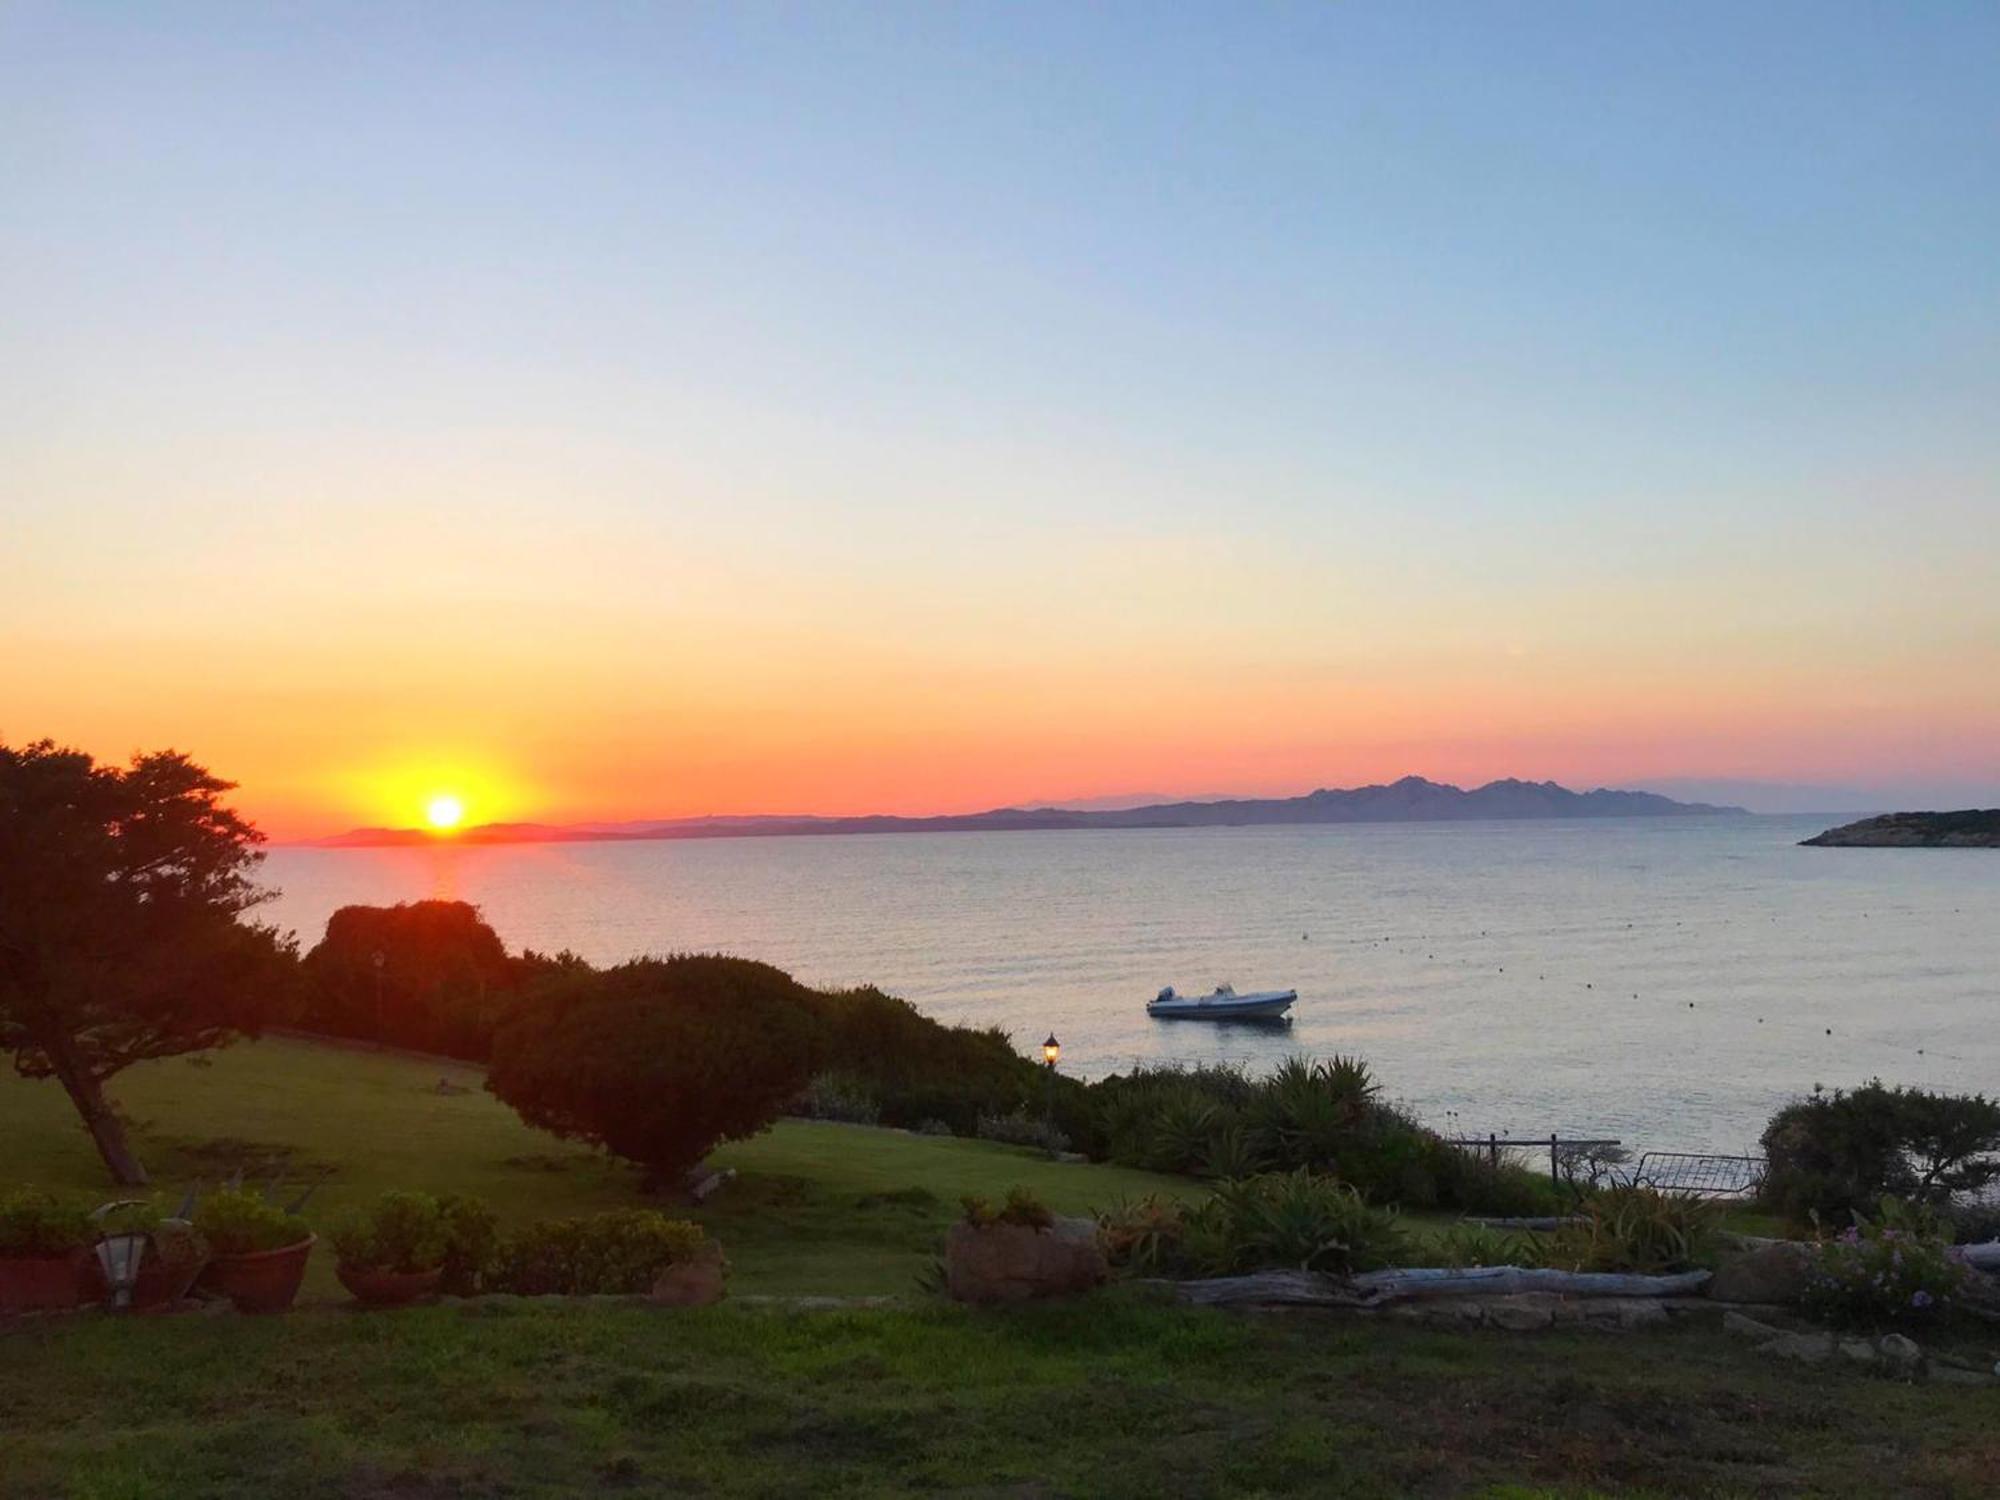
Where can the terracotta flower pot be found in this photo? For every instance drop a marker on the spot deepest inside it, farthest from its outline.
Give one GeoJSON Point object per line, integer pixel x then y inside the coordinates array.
{"type": "Point", "coordinates": [388, 1288]}
{"type": "Point", "coordinates": [39, 1283]}
{"type": "Point", "coordinates": [264, 1281]}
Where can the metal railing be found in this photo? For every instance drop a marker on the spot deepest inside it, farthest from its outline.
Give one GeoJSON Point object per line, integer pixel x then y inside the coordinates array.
{"type": "Point", "coordinates": [1493, 1145]}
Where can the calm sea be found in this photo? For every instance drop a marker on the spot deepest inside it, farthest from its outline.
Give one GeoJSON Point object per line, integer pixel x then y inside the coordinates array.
{"type": "Point", "coordinates": [1667, 981]}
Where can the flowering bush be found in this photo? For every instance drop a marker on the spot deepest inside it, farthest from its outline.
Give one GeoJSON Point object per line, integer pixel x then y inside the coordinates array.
{"type": "Point", "coordinates": [1894, 1269]}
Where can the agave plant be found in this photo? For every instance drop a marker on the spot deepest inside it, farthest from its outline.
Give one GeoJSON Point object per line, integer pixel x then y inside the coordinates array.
{"type": "Point", "coordinates": [1183, 1132]}
{"type": "Point", "coordinates": [1235, 1151]}
{"type": "Point", "coordinates": [1143, 1234]}
{"type": "Point", "coordinates": [1637, 1229]}
{"type": "Point", "coordinates": [1295, 1220]}
{"type": "Point", "coordinates": [1309, 1112]}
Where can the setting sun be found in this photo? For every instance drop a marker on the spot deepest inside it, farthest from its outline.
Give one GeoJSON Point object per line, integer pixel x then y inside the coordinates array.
{"type": "Point", "coordinates": [444, 812]}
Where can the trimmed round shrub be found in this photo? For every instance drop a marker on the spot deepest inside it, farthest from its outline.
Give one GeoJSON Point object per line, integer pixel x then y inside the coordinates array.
{"type": "Point", "coordinates": [661, 1060]}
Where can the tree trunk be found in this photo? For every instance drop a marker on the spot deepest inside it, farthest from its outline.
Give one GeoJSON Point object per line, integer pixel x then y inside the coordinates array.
{"type": "Point", "coordinates": [106, 1129]}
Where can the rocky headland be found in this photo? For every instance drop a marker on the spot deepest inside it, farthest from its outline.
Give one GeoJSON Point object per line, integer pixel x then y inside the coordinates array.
{"type": "Point", "coordinates": [1971, 829]}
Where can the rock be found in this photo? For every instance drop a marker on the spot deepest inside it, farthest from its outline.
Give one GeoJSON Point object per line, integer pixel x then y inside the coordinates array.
{"type": "Point", "coordinates": [1446, 1312]}
{"type": "Point", "coordinates": [1859, 1350]}
{"type": "Point", "coordinates": [1523, 1312]}
{"type": "Point", "coordinates": [1899, 1353]}
{"type": "Point", "coordinates": [694, 1283]}
{"type": "Point", "coordinates": [1773, 1273]}
{"type": "Point", "coordinates": [1749, 1328]}
{"type": "Point", "coordinates": [1807, 1348]}
{"type": "Point", "coordinates": [1637, 1312]}
{"type": "Point", "coordinates": [1014, 1263]}
{"type": "Point", "coordinates": [1951, 1375]}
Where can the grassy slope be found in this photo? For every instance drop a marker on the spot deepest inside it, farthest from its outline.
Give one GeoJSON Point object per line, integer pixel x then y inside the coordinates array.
{"type": "Point", "coordinates": [796, 1220]}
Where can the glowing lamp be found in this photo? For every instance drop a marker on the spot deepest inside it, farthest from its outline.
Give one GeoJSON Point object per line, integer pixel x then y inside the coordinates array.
{"type": "Point", "coordinates": [1051, 1050]}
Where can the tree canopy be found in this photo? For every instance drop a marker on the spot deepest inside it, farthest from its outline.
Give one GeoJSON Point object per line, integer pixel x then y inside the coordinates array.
{"type": "Point", "coordinates": [424, 974]}
{"type": "Point", "coordinates": [122, 933]}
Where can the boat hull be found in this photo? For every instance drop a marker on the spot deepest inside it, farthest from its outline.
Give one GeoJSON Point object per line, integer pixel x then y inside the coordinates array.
{"type": "Point", "coordinates": [1234, 1008]}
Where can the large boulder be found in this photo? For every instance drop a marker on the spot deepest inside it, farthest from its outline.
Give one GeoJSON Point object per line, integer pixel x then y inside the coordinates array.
{"type": "Point", "coordinates": [1013, 1262]}
{"type": "Point", "coordinates": [1774, 1274]}
{"type": "Point", "coordinates": [696, 1282]}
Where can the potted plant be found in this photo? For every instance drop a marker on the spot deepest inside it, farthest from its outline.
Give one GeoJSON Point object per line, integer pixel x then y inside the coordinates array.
{"type": "Point", "coordinates": [393, 1253]}
{"type": "Point", "coordinates": [44, 1253]}
{"type": "Point", "coordinates": [259, 1250]}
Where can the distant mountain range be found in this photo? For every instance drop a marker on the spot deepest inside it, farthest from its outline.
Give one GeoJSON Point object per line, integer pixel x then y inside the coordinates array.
{"type": "Point", "coordinates": [1411, 800]}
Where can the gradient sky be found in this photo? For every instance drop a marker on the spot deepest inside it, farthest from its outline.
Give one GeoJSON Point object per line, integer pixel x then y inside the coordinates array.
{"type": "Point", "coordinates": [645, 409]}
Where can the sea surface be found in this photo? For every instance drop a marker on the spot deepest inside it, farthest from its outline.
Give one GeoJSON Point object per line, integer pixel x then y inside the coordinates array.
{"type": "Point", "coordinates": [1665, 981]}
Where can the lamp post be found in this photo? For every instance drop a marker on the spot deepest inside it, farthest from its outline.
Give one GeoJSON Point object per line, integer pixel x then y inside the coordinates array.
{"type": "Point", "coordinates": [379, 959]}
{"type": "Point", "coordinates": [1051, 1055]}
{"type": "Point", "coordinates": [119, 1251]}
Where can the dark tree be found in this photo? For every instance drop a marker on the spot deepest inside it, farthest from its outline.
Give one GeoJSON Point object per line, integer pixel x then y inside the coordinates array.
{"type": "Point", "coordinates": [659, 1060]}
{"type": "Point", "coordinates": [122, 894]}
{"type": "Point", "coordinates": [425, 974]}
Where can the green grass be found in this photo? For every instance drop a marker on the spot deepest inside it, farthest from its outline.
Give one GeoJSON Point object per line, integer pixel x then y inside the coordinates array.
{"type": "Point", "coordinates": [830, 1209]}
{"type": "Point", "coordinates": [1110, 1395]}
{"type": "Point", "coordinates": [1113, 1394]}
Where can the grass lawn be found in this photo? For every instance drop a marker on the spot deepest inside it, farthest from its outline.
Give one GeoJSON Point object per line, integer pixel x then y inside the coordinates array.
{"type": "Point", "coordinates": [818, 1208]}
{"type": "Point", "coordinates": [1110, 1395]}
{"type": "Point", "coordinates": [1115, 1394]}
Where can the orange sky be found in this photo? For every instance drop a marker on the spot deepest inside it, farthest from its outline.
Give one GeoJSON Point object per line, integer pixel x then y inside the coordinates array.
{"type": "Point", "coordinates": [549, 677]}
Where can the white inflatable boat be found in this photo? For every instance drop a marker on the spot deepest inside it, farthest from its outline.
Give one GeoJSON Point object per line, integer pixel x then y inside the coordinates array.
{"type": "Point", "coordinates": [1224, 1004]}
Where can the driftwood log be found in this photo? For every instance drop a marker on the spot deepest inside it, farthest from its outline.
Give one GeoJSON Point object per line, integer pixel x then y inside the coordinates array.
{"type": "Point", "coordinates": [1984, 1257]}
{"type": "Point", "coordinates": [1373, 1288]}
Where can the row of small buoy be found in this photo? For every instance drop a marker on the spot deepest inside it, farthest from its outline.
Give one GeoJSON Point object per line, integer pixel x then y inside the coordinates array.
{"type": "Point", "coordinates": [1431, 956]}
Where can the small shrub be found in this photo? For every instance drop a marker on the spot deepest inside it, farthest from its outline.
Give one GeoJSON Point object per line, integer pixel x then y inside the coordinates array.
{"type": "Point", "coordinates": [1290, 1219]}
{"type": "Point", "coordinates": [1023, 1129]}
{"type": "Point", "coordinates": [236, 1221]}
{"type": "Point", "coordinates": [1836, 1154]}
{"type": "Point", "coordinates": [1637, 1229]}
{"type": "Point", "coordinates": [1021, 1208]}
{"type": "Point", "coordinates": [842, 1097]}
{"type": "Point", "coordinates": [1893, 1269]}
{"type": "Point", "coordinates": [619, 1252]}
{"type": "Point", "coordinates": [471, 1243]}
{"type": "Point", "coordinates": [35, 1224]}
{"type": "Point", "coordinates": [1468, 1245]}
{"type": "Point", "coordinates": [1144, 1235]}
{"type": "Point", "coordinates": [403, 1232]}
{"type": "Point", "coordinates": [933, 1127]}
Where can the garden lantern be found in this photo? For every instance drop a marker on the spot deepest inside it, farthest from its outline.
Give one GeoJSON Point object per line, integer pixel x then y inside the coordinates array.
{"type": "Point", "coordinates": [119, 1256]}
{"type": "Point", "coordinates": [1051, 1050]}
